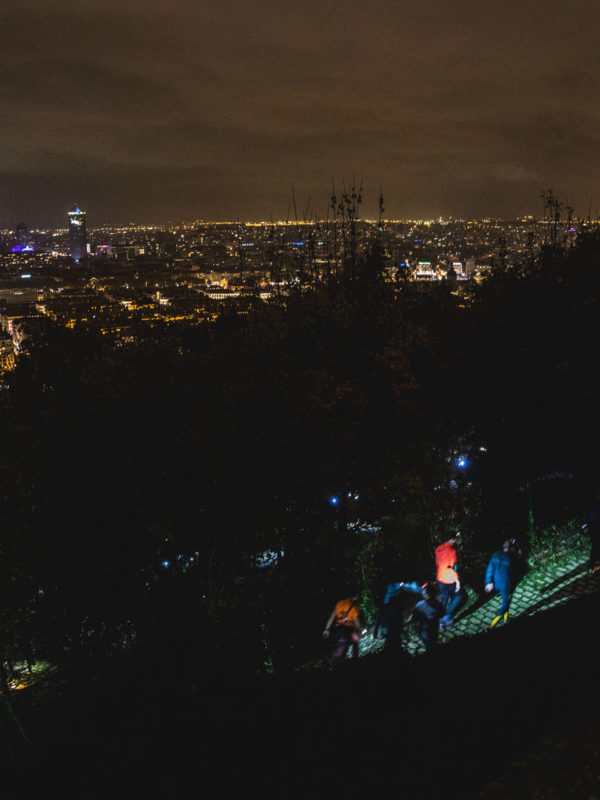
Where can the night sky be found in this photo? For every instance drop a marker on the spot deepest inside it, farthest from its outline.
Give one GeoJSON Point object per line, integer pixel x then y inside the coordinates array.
{"type": "Point", "coordinates": [152, 111]}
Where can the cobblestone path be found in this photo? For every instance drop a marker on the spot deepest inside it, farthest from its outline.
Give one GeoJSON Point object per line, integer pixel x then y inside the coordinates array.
{"type": "Point", "coordinates": [563, 578]}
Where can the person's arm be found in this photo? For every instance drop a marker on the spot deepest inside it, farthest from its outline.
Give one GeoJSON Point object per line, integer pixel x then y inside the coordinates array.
{"type": "Point", "coordinates": [457, 581]}
{"type": "Point", "coordinates": [359, 624]}
{"type": "Point", "coordinates": [392, 590]}
{"type": "Point", "coordinates": [489, 576]}
{"type": "Point", "coordinates": [330, 622]}
{"type": "Point", "coordinates": [413, 588]}
{"type": "Point", "coordinates": [454, 568]}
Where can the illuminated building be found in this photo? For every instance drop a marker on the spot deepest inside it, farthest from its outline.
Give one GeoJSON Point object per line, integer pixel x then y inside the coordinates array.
{"type": "Point", "coordinates": [77, 235]}
{"type": "Point", "coordinates": [7, 353]}
{"type": "Point", "coordinates": [22, 235]}
{"type": "Point", "coordinates": [22, 244]}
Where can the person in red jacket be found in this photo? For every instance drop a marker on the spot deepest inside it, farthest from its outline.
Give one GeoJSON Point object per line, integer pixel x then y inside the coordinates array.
{"type": "Point", "coordinates": [450, 595]}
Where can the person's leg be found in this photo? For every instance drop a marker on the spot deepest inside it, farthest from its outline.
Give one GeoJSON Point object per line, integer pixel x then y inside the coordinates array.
{"type": "Point", "coordinates": [429, 637]}
{"type": "Point", "coordinates": [340, 645]}
{"type": "Point", "coordinates": [445, 592]}
{"type": "Point", "coordinates": [457, 602]}
{"type": "Point", "coordinates": [394, 630]}
{"type": "Point", "coordinates": [451, 601]}
{"type": "Point", "coordinates": [505, 597]}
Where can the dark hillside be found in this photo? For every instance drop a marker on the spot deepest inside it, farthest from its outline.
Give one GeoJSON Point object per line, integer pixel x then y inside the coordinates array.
{"type": "Point", "coordinates": [451, 723]}
{"type": "Point", "coordinates": [179, 517]}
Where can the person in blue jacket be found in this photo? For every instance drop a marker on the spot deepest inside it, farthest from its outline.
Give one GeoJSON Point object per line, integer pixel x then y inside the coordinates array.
{"type": "Point", "coordinates": [502, 575]}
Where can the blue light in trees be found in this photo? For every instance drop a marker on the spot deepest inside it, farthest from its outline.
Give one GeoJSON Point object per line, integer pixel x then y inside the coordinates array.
{"type": "Point", "coordinates": [334, 500]}
{"type": "Point", "coordinates": [461, 462]}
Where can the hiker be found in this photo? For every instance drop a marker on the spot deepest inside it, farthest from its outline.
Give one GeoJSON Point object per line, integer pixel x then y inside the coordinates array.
{"type": "Point", "coordinates": [345, 626]}
{"type": "Point", "coordinates": [427, 615]}
{"type": "Point", "coordinates": [502, 575]}
{"type": "Point", "coordinates": [427, 612]}
{"type": "Point", "coordinates": [450, 595]}
{"type": "Point", "coordinates": [389, 620]}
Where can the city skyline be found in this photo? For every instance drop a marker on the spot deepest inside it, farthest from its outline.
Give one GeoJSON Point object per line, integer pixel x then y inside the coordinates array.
{"type": "Point", "coordinates": [214, 111]}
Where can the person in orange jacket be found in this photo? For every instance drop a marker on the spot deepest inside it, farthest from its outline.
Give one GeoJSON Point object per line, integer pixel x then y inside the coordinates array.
{"type": "Point", "coordinates": [345, 625]}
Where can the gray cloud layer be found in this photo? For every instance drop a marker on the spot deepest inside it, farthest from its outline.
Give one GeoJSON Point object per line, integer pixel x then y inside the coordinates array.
{"type": "Point", "coordinates": [150, 111]}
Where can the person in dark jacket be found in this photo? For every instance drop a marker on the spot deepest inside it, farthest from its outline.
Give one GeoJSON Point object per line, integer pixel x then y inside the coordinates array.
{"type": "Point", "coordinates": [427, 615]}
{"type": "Point", "coordinates": [502, 575]}
{"type": "Point", "coordinates": [389, 620]}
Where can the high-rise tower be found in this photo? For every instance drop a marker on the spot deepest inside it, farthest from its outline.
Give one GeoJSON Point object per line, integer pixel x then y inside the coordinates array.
{"type": "Point", "coordinates": [22, 232]}
{"type": "Point", "coordinates": [77, 235]}
{"type": "Point", "coordinates": [22, 243]}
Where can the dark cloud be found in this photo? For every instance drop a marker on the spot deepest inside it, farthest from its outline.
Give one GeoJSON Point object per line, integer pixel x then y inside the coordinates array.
{"type": "Point", "coordinates": [207, 109]}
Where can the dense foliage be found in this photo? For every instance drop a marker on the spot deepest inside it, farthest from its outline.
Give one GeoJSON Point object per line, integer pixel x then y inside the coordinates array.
{"type": "Point", "coordinates": [140, 485]}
